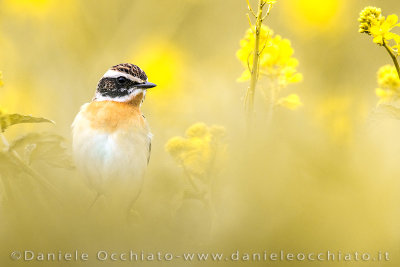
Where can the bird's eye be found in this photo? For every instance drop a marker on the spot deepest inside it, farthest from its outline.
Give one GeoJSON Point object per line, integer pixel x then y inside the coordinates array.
{"type": "Point", "coordinates": [121, 80]}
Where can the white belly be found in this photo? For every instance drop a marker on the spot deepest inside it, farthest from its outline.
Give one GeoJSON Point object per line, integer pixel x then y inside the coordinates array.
{"type": "Point", "coordinates": [114, 163]}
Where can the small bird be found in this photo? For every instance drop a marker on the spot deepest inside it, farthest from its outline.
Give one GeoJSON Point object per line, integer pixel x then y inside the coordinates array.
{"type": "Point", "coordinates": [111, 138]}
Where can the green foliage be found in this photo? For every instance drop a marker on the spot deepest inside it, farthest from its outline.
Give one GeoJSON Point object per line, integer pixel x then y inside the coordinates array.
{"type": "Point", "coordinates": [18, 158]}
{"type": "Point", "coordinates": [7, 120]}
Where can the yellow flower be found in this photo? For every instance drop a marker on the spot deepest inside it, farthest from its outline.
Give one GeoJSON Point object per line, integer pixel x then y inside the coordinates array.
{"type": "Point", "coordinates": [247, 44]}
{"type": "Point", "coordinates": [276, 63]}
{"type": "Point", "coordinates": [196, 151]}
{"type": "Point", "coordinates": [199, 130]}
{"type": "Point", "coordinates": [276, 59]}
{"type": "Point", "coordinates": [388, 77]}
{"type": "Point", "coordinates": [381, 31]}
{"type": "Point", "coordinates": [397, 40]}
{"type": "Point", "coordinates": [389, 84]}
{"type": "Point", "coordinates": [384, 95]}
{"type": "Point", "coordinates": [290, 75]}
{"type": "Point", "coordinates": [373, 23]}
{"type": "Point", "coordinates": [175, 146]}
{"type": "Point", "coordinates": [370, 16]}
{"type": "Point", "coordinates": [291, 102]}
{"type": "Point", "coordinates": [246, 76]}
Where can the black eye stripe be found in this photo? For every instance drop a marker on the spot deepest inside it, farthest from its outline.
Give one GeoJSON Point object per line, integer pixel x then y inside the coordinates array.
{"type": "Point", "coordinates": [110, 86]}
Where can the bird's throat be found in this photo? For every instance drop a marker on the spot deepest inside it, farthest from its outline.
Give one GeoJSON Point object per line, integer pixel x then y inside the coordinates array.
{"type": "Point", "coordinates": [135, 98]}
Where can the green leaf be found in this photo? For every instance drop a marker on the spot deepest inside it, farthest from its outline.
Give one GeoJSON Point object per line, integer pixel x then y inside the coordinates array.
{"type": "Point", "coordinates": [7, 120]}
{"type": "Point", "coordinates": [43, 147]}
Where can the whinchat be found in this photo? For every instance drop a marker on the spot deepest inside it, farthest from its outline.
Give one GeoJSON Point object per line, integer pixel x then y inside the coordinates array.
{"type": "Point", "coordinates": [111, 138]}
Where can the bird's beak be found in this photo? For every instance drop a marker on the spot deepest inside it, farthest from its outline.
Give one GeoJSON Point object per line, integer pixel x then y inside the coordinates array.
{"type": "Point", "coordinates": [146, 85]}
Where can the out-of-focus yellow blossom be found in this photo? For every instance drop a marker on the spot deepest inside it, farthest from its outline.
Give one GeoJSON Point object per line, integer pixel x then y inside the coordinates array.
{"type": "Point", "coordinates": [276, 59]}
{"type": "Point", "coordinates": [389, 84]}
{"type": "Point", "coordinates": [164, 62]}
{"type": "Point", "coordinates": [199, 130]}
{"type": "Point", "coordinates": [373, 23]}
{"type": "Point", "coordinates": [338, 117]}
{"type": "Point", "coordinates": [1, 79]}
{"type": "Point", "coordinates": [196, 152]}
{"type": "Point", "coordinates": [175, 146]}
{"type": "Point", "coordinates": [2, 110]}
{"type": "Point", "coordinates": [291, 102]}
{"type": "Point", "coordinates": [312, 16]}
{"type": "Point", "coordinates": [387, 77]}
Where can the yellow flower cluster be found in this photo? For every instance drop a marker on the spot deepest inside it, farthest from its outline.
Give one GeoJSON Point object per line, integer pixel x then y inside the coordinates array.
{"type": "Point", "coordinates": [373, 23]}
{"type": "Point", "coordinates": [389, 84]}
{"type": "Point", "coordinates": [1, 79]}
{"type": "Point", "coordinates": [196, 152]}
{"type": "Point", "coordinates": [369, 16]}
{"type": "Point", "coordinates": [276, 62]}
{"type": "Point", "coordinates": [290, 102]}
{"type": "Point", "coordinates": [276, 57]}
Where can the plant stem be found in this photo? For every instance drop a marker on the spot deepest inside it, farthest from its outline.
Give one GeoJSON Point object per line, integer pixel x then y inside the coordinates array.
{"type": "Point", "coordinates": [190, 179]}
{"type": "Point", "coordinates": [393, 56]}
{"type": "Point", "coordinates": [256, 57]}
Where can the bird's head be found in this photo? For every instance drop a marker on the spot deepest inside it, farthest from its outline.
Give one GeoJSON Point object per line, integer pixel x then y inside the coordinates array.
{"type": "Point", "coordinates": [123, 83]}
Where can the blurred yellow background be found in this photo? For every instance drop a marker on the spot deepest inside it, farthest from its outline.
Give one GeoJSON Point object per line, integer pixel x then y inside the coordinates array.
{"type": "Point", "coordinates": [323, 177]}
